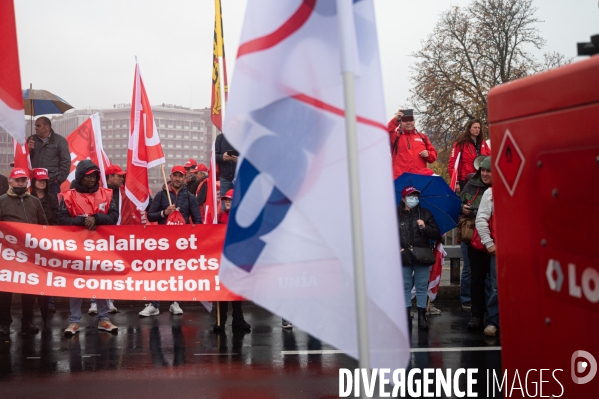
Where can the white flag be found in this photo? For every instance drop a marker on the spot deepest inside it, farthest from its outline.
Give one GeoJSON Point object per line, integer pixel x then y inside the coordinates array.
{"type": "Point", "coordinates": [288, 245]}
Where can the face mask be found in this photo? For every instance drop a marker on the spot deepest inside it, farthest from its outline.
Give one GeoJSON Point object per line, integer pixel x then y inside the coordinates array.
{"type": "Point", "coordinates": [19, 190]}
{"type": "Point", "coordinates": [411, 202]}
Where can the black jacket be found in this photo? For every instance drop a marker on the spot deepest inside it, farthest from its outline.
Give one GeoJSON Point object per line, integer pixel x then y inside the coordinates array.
{"type": "Point", "coordinates": [227, 168]}
{"type": "Point", "coordinates": [49, 203]}
{"type": "Point", "coordinates": [469, 193]}
{"type": "Point", "coordinates": [184, 200]}
{"type": "Point", "coordinates": [53, 155]}
{"type": "Point", "coordinates": [192, 187]}
{"type": "Point", "coordinates": [409, 232]}
{"type": "Point", "coordinates": [202, 193]}
{"type": "Point", "coordinates": [64, 216]}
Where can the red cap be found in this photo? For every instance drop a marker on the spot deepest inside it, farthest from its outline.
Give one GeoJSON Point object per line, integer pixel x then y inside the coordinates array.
{"type": "Point", "coordinates": [409, 190]}
{"type": "Point", "coordinates": [93, 170]}
{"type": "Point", "coordinates": [18, 173]}
{"type": "Point", "coordinates": [201, 168]}
{"type": "Point", "coordinates": [178, 169]}
{"type": "Point", "coordinates": [40, 174]}
{"type": "Point", "coordinates": [228, 195]}
{"type": "Point", "coordinates": [114, 169]}
{"type": "Point", "coordinates": [190, 163]}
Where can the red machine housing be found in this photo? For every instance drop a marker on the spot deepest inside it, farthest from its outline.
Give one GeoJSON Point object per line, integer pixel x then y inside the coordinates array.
{"type": "Point", "coordinates": [545, 156]}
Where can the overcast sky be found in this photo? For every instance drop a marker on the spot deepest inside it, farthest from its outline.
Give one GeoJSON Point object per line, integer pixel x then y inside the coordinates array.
{"type": "Point", "coordinates": [84, 50]}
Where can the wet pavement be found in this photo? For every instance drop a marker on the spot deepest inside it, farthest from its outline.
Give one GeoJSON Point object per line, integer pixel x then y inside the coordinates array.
{"type": "Point", "coordinates": [180, 356]}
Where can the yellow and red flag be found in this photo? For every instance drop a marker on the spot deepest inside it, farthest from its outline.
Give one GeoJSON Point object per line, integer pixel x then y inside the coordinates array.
{"type": "Point", "coordinates": [219, 69]}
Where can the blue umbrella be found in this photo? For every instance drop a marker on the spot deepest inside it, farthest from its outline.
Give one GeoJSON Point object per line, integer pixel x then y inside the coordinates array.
{"type": "Point", "coordinates": [435, 195]}
{"type": "Point", "coordinates": [42, 102]}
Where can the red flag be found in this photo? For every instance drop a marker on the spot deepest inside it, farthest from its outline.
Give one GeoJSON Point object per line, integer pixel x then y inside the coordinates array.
{"type": "Point", "coordinates": [212, 200]}
{"type": "Point", "coordinates": [85, 142]}
{"type": "Point", "coordinates": [129, 214]}
{"type": "Point", "coordinates": [145, 150]}
{"type": "Point", "coordinates": [11, 97]}
{"type": "Point", "coordinates": [21, 154]}
{"type": "Point", "coordinates": [435, 277]}
{"type": "Point", "coordinates": [219, 69]}
{"type": "Point", "coordinates": [454, 174]}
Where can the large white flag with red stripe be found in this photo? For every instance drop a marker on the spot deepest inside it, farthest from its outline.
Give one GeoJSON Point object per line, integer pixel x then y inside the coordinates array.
{"type": "Point", "coordinates": [145, 150]}
{"type": "Point", "coordinates": [288, 245]}
{"type": "Point", "coordinates": [85, 142]}
{"type": "Point", "coordinates": [11, 97]}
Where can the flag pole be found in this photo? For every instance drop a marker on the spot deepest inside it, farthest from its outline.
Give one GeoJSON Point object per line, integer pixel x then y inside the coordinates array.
{"type": "Point", "coordinates": [220, 42]}
{"type": "Point", "coordinates": [347, 36]}
{"type": "Point", "coordinates": [166, 185]}
{"type": "Point", "coordinates": [222, 90]}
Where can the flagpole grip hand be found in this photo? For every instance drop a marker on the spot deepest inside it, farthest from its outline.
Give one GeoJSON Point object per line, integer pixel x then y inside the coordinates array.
{"type": "Point", "coordinates": [169, 210]}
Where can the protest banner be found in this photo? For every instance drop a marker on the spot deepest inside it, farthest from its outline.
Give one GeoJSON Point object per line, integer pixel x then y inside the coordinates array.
{"type": "Point", "coordinates": [175, 263]}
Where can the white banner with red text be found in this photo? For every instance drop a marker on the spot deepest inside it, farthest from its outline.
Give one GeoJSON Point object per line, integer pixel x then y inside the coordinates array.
{"type": "Point", "coordinates": [118, 262]}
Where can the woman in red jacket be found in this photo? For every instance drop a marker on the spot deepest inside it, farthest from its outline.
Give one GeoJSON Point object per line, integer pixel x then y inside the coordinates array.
{"type": "Point", "coordinates": [471, 143]}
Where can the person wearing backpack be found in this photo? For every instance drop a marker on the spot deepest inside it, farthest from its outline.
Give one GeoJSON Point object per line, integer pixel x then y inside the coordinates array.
{"type": "Point", "coordinates": [411, 150]}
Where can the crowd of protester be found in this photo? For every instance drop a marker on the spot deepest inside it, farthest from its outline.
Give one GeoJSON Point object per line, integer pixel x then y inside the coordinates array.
{"type": "Point", "coordinates": [186, 192]}
{"type": "Point", "coordinates": [411, 150]}
{"type": "Point", "coordinates": [34, 196]}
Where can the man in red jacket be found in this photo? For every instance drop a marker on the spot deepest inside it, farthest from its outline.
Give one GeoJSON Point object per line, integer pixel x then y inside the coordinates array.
{"type": "Point", "coordinates": [410, 149]}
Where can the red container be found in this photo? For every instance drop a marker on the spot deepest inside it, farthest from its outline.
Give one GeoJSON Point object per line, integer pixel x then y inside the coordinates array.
{"type": "Point", "coordinates": [545, 156]}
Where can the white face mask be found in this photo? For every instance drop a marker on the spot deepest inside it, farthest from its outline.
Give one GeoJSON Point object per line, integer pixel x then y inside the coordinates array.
{"type": "Point", "coordinates": [412, 201]}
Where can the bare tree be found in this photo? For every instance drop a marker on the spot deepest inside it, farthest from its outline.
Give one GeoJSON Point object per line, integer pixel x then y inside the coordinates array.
{"type": "Point", "coordinates": [471, 50]}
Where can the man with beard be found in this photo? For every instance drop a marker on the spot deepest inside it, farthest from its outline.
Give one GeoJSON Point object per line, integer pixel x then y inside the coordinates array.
{"type": "Point", "coordinates": [17, 205]}
{"type": "Point", "coordinates": [89, 205]}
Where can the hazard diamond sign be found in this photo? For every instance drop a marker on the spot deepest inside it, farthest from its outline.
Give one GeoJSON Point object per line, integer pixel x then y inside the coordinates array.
{"type": "Point", "coordinates": [510, 162]}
